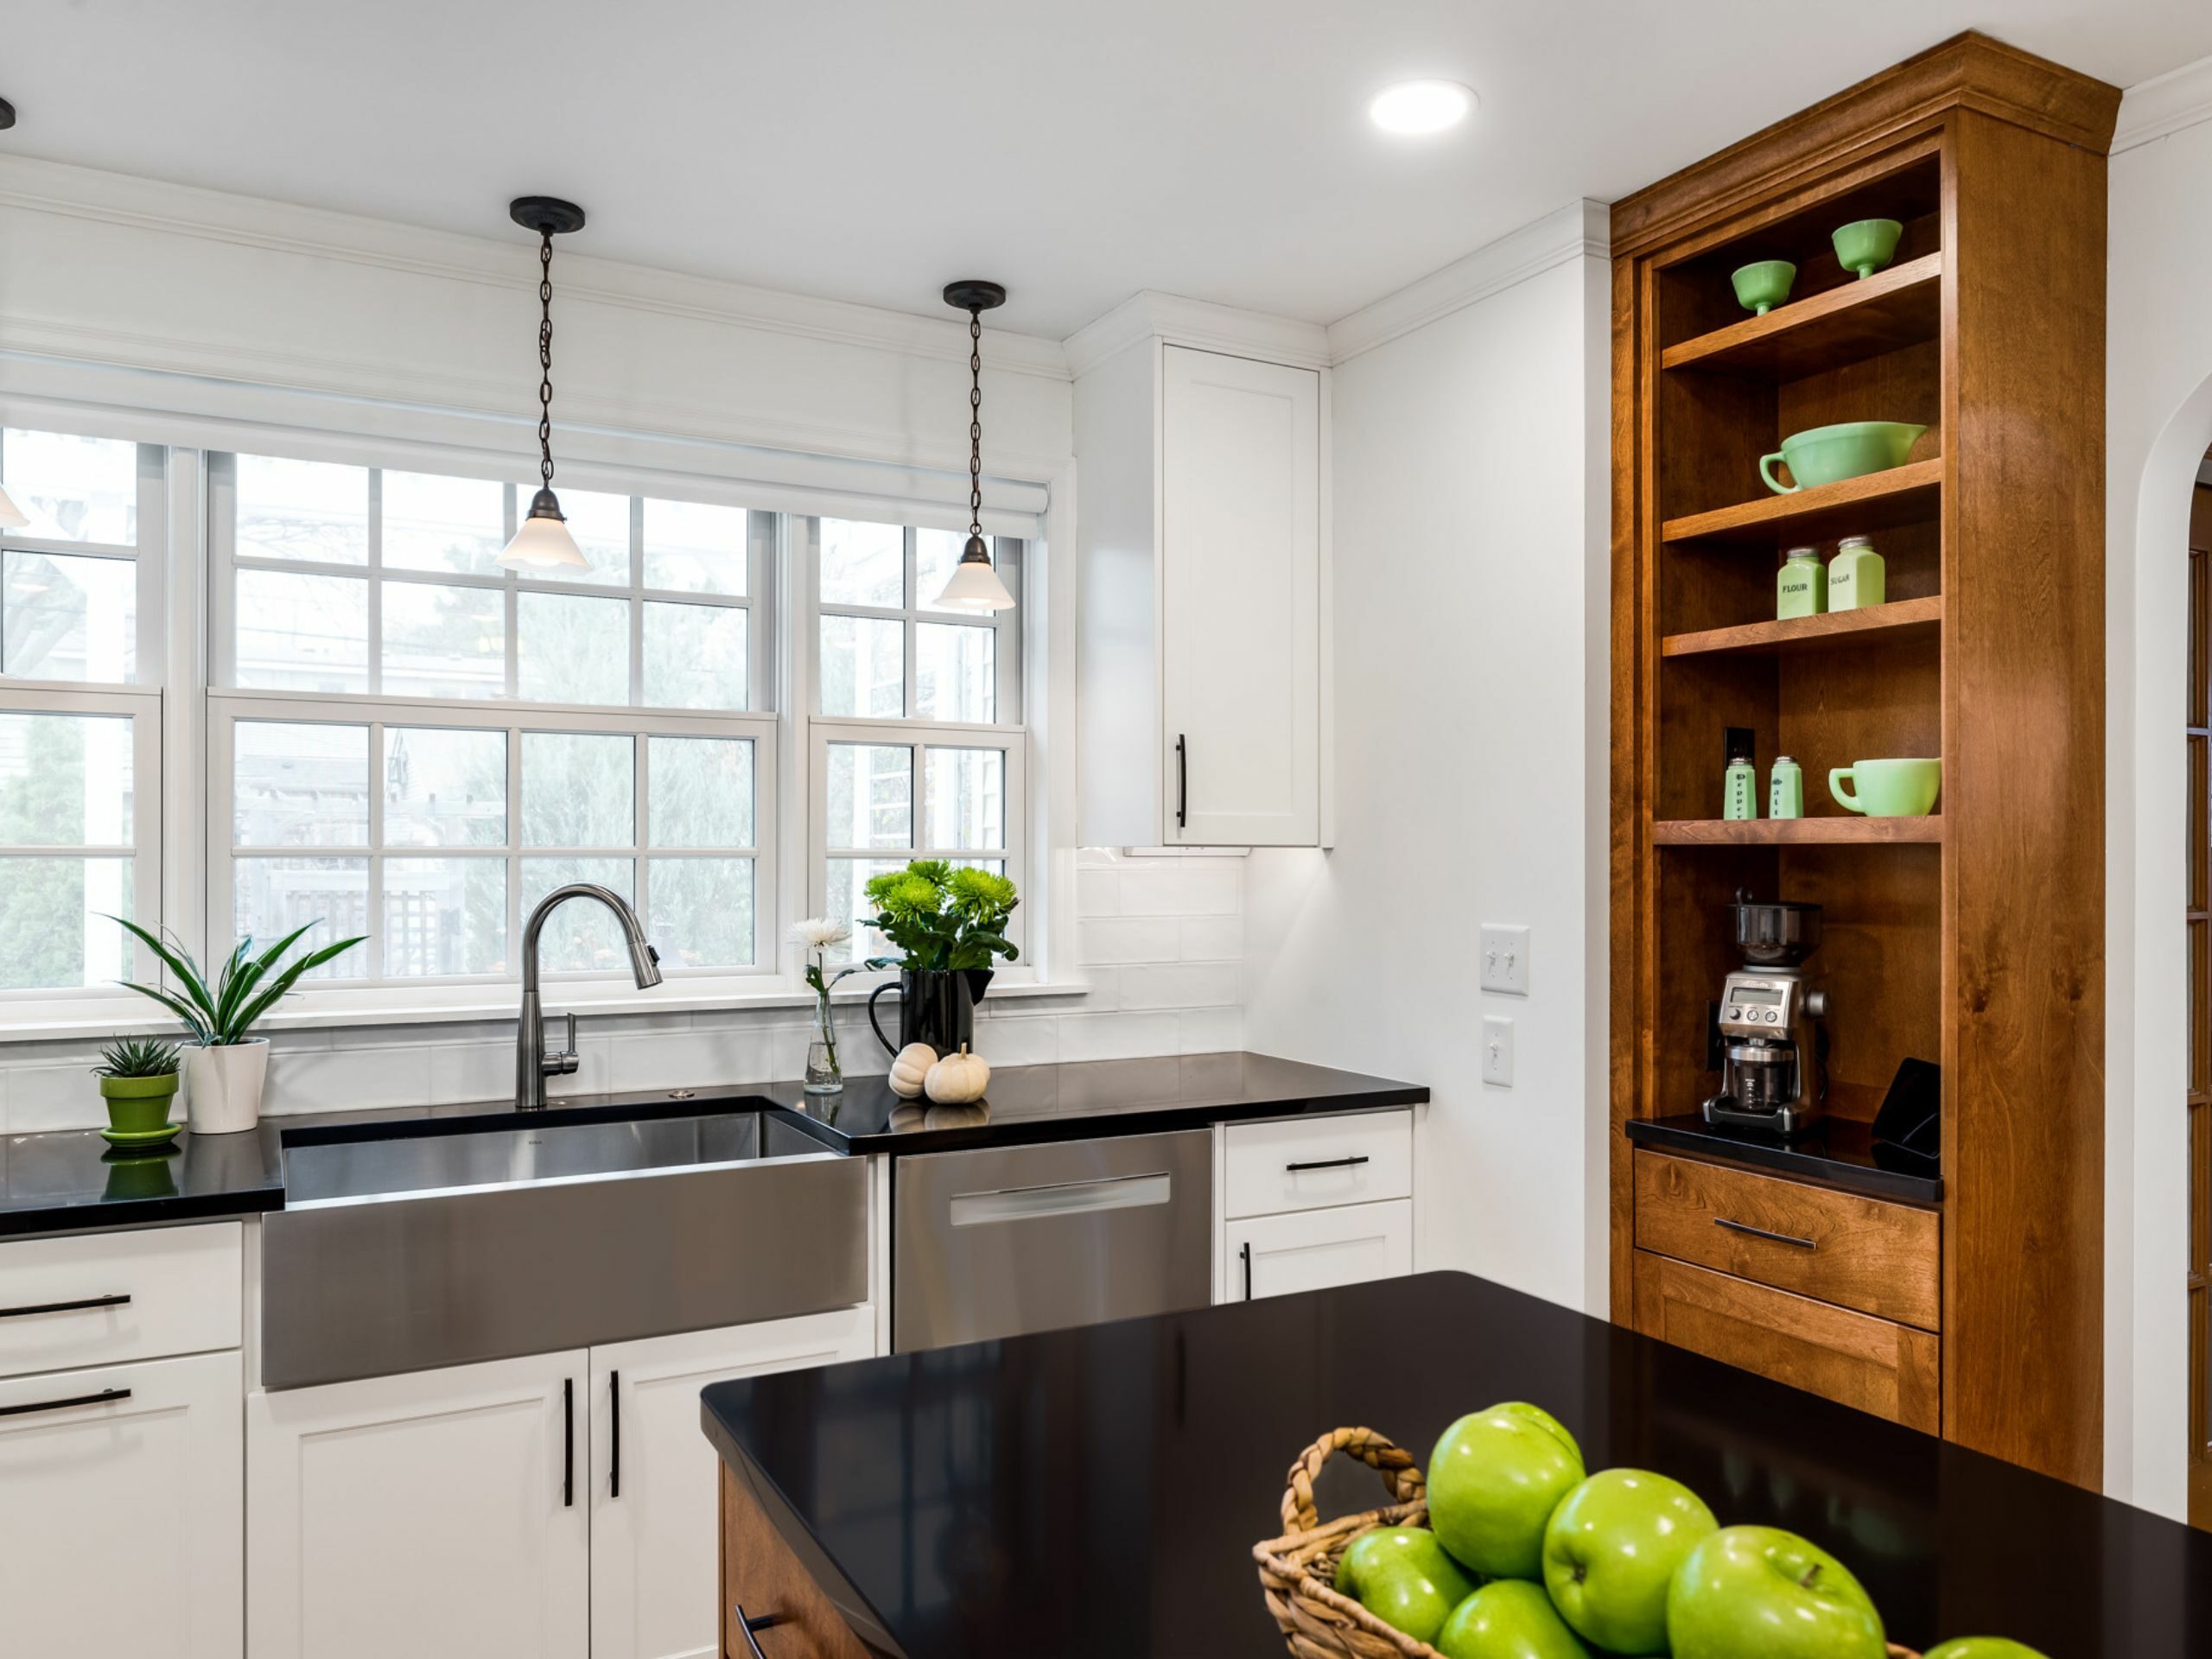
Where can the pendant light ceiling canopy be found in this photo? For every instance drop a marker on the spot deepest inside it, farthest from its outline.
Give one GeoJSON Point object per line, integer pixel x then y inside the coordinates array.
{"type": "Point", "coordinates": [975, 587]}
{"type": "Point", "coordinates": [542, 541]}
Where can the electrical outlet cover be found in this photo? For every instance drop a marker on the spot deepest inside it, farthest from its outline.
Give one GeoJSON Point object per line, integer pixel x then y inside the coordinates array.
{"type": "Point", "coordinates": [1504, 953]}
{"type": "Point", "coordinates": [1497, 1050]}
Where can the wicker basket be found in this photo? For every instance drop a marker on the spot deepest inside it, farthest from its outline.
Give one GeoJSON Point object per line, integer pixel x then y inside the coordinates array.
{"type": "Point", "coordinates": [1297, 1571]}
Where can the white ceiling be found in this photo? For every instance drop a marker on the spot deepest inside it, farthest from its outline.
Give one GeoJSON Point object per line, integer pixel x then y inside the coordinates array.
{"type": "Point", "coordinates": [870, 149]}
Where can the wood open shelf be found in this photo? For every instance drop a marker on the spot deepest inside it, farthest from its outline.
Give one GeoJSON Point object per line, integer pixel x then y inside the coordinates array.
{"type": "Point", "coordinates": [1796, 832]}
{"type": "Point", "coordinates": [1900, 496]}
{"type": "Point", "coordinates": [1892, 308]}
{"type": "Point", "coordinates": [1901, 618]}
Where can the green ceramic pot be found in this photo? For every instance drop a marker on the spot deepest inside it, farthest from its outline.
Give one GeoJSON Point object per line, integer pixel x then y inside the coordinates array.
{"type": "Point", "coordinates": [138, 1105]}
{"type": "Point", "coordinates": [1829, 455]}
{"type": "Point", "coordinates": [1763, 286]}
{"type": "Point", "coordinates": [1888, 789]}
{"type": "Point", "coordinates": [1866, 245]}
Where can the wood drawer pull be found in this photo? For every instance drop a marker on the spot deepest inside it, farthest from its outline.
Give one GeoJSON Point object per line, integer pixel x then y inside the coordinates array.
{"type": "Point", "coordinates": [1793, 1242]}
{"type": "Point", "coordinates": [65, 1307]}
{"type": "Point", "coordinates": [760, 1622]}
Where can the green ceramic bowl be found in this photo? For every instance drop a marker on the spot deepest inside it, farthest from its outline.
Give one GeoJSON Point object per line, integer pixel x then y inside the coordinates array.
{"type": "Point", "coordinates": [1763, 286]}
{"type": "Point", "coordinates": [1829, 455]}
{"type": "Point", "coordinates": [1866, 245]}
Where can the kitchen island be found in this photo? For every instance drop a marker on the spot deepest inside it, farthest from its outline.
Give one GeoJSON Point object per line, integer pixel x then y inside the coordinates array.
{"type": "Point", "coordinates": [1097, 1492]}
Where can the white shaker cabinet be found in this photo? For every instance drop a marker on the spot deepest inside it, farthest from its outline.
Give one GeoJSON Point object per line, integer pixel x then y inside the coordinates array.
{"type": "Point", "coordinates": [1313, 1249]}
{"type": "Point", "coordinates": [1202, 665]}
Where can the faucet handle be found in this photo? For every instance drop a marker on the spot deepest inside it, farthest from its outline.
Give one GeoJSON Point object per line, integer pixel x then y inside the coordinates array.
{"type": "Point", "coordinates": [560, 1063]}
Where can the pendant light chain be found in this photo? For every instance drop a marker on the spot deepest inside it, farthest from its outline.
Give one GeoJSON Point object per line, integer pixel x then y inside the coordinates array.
{"type": "Point", "coordinates": [545, 358]}
{"type": "Point", "coordinates": [975, 421]}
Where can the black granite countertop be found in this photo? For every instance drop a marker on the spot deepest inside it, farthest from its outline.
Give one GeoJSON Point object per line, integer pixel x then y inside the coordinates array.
{"type": "Point", "coordinates": [1837, 1152]}
{"type": "Point", "coordinates": [1096, 1492]}
{"type": "Point", "coordinates": [70, 1180]}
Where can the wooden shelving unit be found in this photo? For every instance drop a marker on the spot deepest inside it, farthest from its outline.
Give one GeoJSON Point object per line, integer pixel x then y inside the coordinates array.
{"type": "Point", "coordinates": [1972, 937]}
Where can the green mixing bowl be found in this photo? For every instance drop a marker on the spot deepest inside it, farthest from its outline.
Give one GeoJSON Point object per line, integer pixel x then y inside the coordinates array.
{"type": "Point", "coordinates": [1829, 455]}
{"type": "Point", "coordinates": [1763, 285]}
{"type": "Point", "coordinates": [1866, 245]}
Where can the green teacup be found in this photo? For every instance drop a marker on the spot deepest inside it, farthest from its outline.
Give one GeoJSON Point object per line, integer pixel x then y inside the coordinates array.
{"type": "Point", "coordinates": [1763, 286]}
{"type": "Point", "coordinates": [1866, 245]}
{"type": "Point", "coordinates": [1829, 455]}
{"type": "Point", "coordinates": [1888, 789]}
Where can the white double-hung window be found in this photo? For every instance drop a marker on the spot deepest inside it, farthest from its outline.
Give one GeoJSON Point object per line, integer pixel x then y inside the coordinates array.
{"type": "Point", "coordinates": [82, 675]}
{"type": "Point", "coordinates": [918, 748]}
{"type": "Point", "coordinates": [410, 743]}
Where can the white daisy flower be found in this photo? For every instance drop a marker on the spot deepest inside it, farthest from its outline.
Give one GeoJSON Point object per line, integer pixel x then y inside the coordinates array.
{"type": "Point", "coordinates": [819, 933]}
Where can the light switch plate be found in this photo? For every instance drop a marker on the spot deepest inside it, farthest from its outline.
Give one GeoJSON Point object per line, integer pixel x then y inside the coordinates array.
{"type": "Point", "coordinates": [1497, 1050]}
{"type": "Point", "coordinates": [1505, 958]}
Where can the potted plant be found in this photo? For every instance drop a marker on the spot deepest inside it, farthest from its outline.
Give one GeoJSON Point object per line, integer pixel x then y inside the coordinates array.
{"type": "Point", "coordinates": [138, 1079]}
{"type": "Point", "coordinates": [951, 924]}
{"type": "Point", "coordinates": [227, 1066]}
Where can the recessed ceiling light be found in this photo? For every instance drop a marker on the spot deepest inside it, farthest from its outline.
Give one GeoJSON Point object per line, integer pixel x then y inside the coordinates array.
{"type": "Point", "coordinates": [1422, 106]}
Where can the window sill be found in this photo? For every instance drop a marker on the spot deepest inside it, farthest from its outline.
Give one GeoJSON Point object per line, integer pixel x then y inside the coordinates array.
{"type": "Point", "coordinates": [87, 1023]}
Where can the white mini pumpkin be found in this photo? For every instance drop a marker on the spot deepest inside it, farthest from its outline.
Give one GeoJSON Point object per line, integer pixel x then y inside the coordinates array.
{"type": "Point", "coordinates": [957, 1078]}
{"type": "Point", "coordinates": [911, 1069]}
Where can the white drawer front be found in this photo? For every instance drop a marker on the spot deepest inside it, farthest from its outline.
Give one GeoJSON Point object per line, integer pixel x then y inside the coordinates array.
{"type": "Point", "coordinates": [1308, 1163]}
{"type": "Point", "coordinates": [1313, 1250]}
{"type": "Point", "coordinates": [104, 1298]}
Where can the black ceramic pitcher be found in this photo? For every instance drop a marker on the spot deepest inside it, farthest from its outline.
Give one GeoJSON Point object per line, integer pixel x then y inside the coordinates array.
{"type": "Point", "coordinates": [936, 1006]}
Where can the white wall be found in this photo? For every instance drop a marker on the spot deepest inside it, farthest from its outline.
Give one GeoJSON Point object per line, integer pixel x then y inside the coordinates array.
{"type": "Point", "coordinates": [1471, 525]}
{"type": "Point", "coordinates": [2158, 395]}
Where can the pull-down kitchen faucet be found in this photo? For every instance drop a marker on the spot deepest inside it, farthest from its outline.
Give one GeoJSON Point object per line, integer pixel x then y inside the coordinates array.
{"type": "Point", "coordinates": [532, 1063]}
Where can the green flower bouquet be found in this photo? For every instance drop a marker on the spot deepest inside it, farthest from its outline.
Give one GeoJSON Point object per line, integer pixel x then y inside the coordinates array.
{"type": "Point", "coordinates": [941, 918]}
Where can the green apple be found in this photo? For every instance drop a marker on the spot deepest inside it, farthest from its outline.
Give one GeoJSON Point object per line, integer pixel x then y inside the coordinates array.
{"type": "Point", "coordinates": [1762, 1590]}
{"type": "Point", "coordinates": [1610, 1549]}
{"type": "Point", "coordinates": [1402, 1576]}
{"type": "Point", "coordinates": [1980, 1647]}
{"type": "Point", "coordinates": [1508, 1618]}
{"type": "Point", "coordinates": [1493, 1481]}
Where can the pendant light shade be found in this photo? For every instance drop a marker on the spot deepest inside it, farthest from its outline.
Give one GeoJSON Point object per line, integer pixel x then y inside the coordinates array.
{"type": "Point", "coordinates": [542, 541]}
{"type": "Point", "coordinates": [12, 516]}
{"type": "Point", "coordinates": [975, 587]}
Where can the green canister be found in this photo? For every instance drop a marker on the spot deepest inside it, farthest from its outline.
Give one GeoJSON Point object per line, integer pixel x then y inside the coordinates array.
{"type": "Point", "coordinates": [1785, 794]}
{"type": "Point", "coordinates": [1800, 588]}
{"type": "Point", "coordinates": [1739, 782]}
{"type": "Point", "coordinates": [1857, 577]}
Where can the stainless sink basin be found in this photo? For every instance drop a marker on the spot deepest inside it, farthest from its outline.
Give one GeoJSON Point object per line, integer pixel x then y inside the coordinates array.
{"type": "Point", "coordinates": [417, 1251]}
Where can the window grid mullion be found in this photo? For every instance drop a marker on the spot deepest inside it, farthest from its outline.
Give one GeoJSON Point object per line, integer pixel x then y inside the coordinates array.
{"type": "Point", "coordinates": [378, 763]}
{"type": "Point", "coordinates": [375, 570]}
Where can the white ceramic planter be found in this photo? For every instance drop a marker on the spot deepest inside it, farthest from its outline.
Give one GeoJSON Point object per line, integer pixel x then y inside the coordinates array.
{"type": "Point", "coordinates": [227, 1082]}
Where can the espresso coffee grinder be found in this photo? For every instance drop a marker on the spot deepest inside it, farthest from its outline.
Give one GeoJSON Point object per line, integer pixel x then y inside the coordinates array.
{"type": "Point", "coordinates": [1774, 1046]}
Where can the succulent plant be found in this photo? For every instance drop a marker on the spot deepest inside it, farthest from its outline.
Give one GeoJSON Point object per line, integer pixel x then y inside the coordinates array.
{"type": "Point", "coordinates": [138, 1057]}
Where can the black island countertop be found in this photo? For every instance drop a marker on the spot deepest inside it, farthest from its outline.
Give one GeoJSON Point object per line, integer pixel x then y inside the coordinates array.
{"type": "Point", "coordinates": [1095, 1493]}
{"type": "Point", "coordinates": [69, 1180]}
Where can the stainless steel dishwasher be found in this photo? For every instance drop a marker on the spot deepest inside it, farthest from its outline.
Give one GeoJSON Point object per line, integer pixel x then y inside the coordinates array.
{"type": "Point", "coordinates": [996, 1242]}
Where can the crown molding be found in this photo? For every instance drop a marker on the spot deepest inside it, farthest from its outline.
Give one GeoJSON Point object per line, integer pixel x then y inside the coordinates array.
{"type": "Point", "coordinates": [2164, 104]}
{"type": "Point", "coordinates": [30, 185]}
{"type": "Point", "coordinates": [1578, 231]}
{"type": "Point", "coordinates": [1197, 323]}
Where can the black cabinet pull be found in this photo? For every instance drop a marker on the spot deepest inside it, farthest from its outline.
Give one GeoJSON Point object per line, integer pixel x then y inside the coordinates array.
{"type": "Point", "coordinates": [759, 1622]}
{"type": "Point", "coordinates": [1790, 1239]}
{"type": "Point", "coordinates": [1326, 1163]}
{"type": "Point", "coordinates": [567, 1442]}
{"type": "Point", "coordinates": [1247, 1270]}
{"type": "Point", "coordinates": [64, 1307]}
{"type": "Point", "coordinates": [99, 1399]}
{"type": "Point", "coordinates": [614, 1409]}
{"type": "Point", "coordinates": [1182, 781]}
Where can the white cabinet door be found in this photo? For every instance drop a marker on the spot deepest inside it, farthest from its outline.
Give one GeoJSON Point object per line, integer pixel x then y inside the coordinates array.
{"type": "Point", "coordinates": [1311, 1249]}
{"type": "Point", "coordinates": [654, 1477]}
{"type": "Point", "coordinates": [121, 1511]}
{"type": "Point", "coordinates": [1240, 515]}
{"type": "Point", "coordinates": [441, 1515]}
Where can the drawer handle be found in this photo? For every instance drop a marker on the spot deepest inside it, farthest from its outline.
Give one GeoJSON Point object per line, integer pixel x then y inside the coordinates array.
{"type": "Point", "coordinates": [759, 1622]}
{"type": "Point", "coordinates": [1760, 1232]}
{"type": "Point", "coordinates": [100, 1398]}
{"type": "Point", "coordinates": [1327, 1163]}
{"type": "Point", "coordinates": [65, 1307]}
{"type": "Point", "coordinates": [1059, 1199]}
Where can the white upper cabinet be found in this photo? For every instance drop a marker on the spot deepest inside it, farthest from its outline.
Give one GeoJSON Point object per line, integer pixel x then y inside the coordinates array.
{"type": "Point", "coordinates": [1202, 669]}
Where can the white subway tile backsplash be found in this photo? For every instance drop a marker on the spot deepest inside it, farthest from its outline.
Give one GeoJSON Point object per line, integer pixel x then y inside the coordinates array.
{"type": "Point", "coordinates": [315, 1080]}
{"type": "Point", "coordinates": [472, 1071]}
{"type": "Point", "coordinates": [1213, 938]}
{"type": "Point", "coordinates": [1212, 1030]}
{"type": "Point", "coordinates": [1180, 985]}
{"type": "Point", "coordinates": [1098, 892]}
{"type": "Point", "coordinates": [1110, 939]}
{"type": "Point", "coordinates": [1019, 1042]}
{"type": "Point", "coordinates": [1118, 1036]}
{"type": "Point", "coordinates": [42, 1097]}
{"type": "Point", "coordinates": [1209, 886]}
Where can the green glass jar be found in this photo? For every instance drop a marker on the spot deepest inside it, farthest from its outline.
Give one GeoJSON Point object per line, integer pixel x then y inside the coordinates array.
{"type": "Point", "coordinates": [1785, 796]}
{"type": "Point", "coordinates": [1857, 577]}
{"type": "Point", "coordinates": [1800, 588]}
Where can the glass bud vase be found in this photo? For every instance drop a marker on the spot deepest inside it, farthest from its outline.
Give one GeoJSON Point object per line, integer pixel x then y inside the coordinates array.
{"type": "Point", "coordinates": [824, 1076]}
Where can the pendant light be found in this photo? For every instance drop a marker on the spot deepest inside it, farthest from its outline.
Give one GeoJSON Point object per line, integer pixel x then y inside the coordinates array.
{"type": "Point", "coordinates": [542, 541]}
{"type": "Point", "coordinates": [974, 588]}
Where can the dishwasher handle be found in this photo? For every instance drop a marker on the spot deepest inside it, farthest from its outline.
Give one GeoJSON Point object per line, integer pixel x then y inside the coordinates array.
{"type": "Point", "coordinates": [1061, 1198]}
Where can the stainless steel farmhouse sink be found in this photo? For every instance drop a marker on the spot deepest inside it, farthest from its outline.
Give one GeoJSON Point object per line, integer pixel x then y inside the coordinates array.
{"type": "Point", "coordinates": [405, 1253]}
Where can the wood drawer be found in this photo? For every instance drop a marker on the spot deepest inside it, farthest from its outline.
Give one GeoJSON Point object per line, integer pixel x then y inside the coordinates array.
{"type": "Point", "coordinates": [1891, 1370]}
{"type": "Point", "coordinates": [99, 1299]}
{"type": "Point", "coordinates": [1312, 1163]}
{"type": "Point", "coordinates": [761, 1574]}
{"type": "Point", "coordinates": [1883, 1259]}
